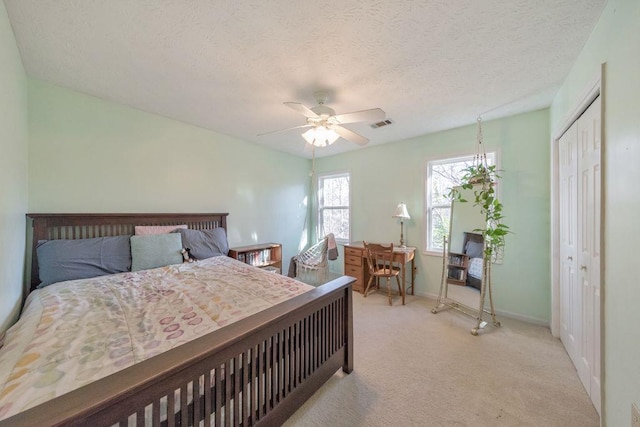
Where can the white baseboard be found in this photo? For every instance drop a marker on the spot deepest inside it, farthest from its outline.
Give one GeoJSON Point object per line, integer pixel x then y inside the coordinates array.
{"type": "Point", "coordinates": [522, 317]}
{"type": "Point", "coordinates": [516, 316]}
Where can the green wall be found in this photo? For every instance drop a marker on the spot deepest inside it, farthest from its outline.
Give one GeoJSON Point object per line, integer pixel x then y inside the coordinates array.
{"type": "Point", "coordinates": [13, 172]}
{"type": "Point", "coordinates": [383, 176]}
{"type": "Point", "coordinates": [87, 155]}
{"type": "Point", "coordinates": [616, 41]}
{"type": "Point", "coordinates": [91, 155]}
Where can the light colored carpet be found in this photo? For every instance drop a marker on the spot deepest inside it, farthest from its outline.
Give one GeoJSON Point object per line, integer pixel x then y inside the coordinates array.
{"type": "Point", "coordinates": [415, 368]}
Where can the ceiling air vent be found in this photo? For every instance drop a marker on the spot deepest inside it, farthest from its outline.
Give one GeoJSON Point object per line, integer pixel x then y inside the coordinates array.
{"type": "Point", "coordinates": [382, 123]}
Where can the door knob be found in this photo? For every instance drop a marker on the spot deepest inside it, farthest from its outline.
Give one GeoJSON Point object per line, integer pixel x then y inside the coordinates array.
{"type": "Point", "coordinates": [570, 258]}
{"type": "Point", "coordinates": [583, 267]}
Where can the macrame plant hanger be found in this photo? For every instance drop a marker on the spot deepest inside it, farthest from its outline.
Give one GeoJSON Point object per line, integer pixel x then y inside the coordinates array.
{"type": "Point", "coordinates": [480, 157]}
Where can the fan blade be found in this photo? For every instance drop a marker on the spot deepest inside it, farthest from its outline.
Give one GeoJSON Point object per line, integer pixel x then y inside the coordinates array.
{"type": "Point", "coordinates": [284, 130]}
{"type": "Point", "coordinates": [301, 109]}
{"type": "Point", "coordinates": [373, 115]}
{"type": "Point", "coordinates": [350, 135]}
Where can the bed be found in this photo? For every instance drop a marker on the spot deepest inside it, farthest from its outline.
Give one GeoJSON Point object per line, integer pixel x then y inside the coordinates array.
{"type": "Point", "coordinates": [242, 370]}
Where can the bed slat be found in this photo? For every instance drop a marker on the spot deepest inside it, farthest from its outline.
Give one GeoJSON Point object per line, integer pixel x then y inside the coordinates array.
{"type": "Point", "coordinates": [155, 413]}
{"type": "Point", "coordinates": [171, 403]}
{"type": "Point", "coordinates": [184, 409]}
{"type": "Point", "coordinates": [218, 397]}
{"type": "Point", "coordinates": [262, 379]}
{"type": "Point", "coordinates": [272, 363]}
{"type": "Point", "coordinates": [286, 367]}
{"type": "Point", "coordinates": [247, 389]}
{"type": "Point", "coordinates": [208, 396]}
{"type": "Point", "coordinates": [228, 396]}
{"type": "Point", "coordinates": [197, 409]}
{"type": "Point", "coordinates": [238, 388]}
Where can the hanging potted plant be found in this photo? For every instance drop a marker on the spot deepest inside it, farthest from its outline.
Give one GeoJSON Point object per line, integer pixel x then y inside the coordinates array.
{"type": "Point", "coordinates": [481, 179]}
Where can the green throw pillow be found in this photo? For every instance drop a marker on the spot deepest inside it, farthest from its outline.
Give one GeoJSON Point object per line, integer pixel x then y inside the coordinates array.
{"type": "Point", "coordinates": [156, 250]}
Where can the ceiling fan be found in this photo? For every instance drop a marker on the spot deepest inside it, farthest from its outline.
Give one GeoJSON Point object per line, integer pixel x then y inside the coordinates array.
{"type": "Point", "coordinates": [325, 127]}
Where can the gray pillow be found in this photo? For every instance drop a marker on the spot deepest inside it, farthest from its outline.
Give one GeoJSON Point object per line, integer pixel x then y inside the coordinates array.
{"type": "Point", "coordinates": [155, 250]}
{"type": "Point", "coordinates": [60, 260]}
{"type": "Point", "coordinates": [205, 243]}
{"type": "Point", "coordinates": [474, 249]}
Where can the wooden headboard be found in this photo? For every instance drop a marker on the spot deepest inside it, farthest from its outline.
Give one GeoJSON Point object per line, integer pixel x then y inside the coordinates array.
{"type": "Point", "coordinates": [86, 226]}
{"type": "Point", "coordinates": [471, 237]}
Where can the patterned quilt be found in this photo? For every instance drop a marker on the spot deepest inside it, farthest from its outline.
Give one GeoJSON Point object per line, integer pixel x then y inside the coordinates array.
{"type": "Point", "coordinates": [475, 267]}
{"type": "Point", "coordinates": [75, 332]}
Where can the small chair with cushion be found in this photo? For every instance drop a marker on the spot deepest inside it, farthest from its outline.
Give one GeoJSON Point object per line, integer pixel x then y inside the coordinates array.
{"type": "Point", "coordinates": [380, 260]}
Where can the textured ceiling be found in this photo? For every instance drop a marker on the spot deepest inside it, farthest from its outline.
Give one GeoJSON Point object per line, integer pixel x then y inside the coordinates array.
{"type": "Point", "coordinates": [229, 65]}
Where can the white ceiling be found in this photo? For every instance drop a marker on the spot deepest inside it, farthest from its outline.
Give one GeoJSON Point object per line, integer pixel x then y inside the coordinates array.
{"type": "Point", "coordinates": [228, 65]}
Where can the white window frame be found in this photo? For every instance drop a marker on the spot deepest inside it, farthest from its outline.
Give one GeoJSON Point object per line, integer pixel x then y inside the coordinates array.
{"type": "Point", "coordinates": [493, 159]}
{"type": "Point", "coordinates": [320, 231]}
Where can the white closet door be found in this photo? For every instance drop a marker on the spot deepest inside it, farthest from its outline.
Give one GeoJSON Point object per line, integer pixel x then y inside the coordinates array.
{"type": "Point", "coordinates": [570, 291]}
{"type": "Point", "coordinates": [589, 154]}
{"type": "Point", "coordinates": [579, 216]}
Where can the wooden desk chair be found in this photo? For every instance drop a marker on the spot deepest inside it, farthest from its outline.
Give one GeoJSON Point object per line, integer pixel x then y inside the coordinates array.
{"type": "Point", "coordinates": [380, 260]}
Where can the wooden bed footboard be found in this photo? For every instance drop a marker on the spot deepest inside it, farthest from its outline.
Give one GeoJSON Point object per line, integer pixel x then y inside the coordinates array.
{"type": "Point", "coordinates": [256, 371]}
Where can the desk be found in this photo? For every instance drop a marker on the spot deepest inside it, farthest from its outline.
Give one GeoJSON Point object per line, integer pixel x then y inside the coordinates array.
{"type": "Point", "coordinates": [355, 265]}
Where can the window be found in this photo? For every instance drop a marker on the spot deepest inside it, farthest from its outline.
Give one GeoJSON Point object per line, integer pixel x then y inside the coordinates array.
{"type": "Point", "coordinates": [333, 206]}
{"type": "Point", "coordinates": [442, 175]}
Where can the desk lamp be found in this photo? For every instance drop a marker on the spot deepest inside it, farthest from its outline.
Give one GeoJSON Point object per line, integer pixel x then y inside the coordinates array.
{"type": "Point", "coordinates": [402, 213]}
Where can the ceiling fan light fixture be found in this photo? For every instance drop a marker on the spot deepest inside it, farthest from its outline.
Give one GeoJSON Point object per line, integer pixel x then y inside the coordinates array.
{"type": "Point", "coordinates": [320, 136]}
{"type": "Point", "coordinates": [325, 127]}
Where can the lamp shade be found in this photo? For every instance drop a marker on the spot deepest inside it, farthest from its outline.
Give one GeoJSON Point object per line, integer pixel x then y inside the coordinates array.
{"type": "Point", "coordinates": [320, 136]}
{"type": "Point", "coordinates": [401, 212]}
